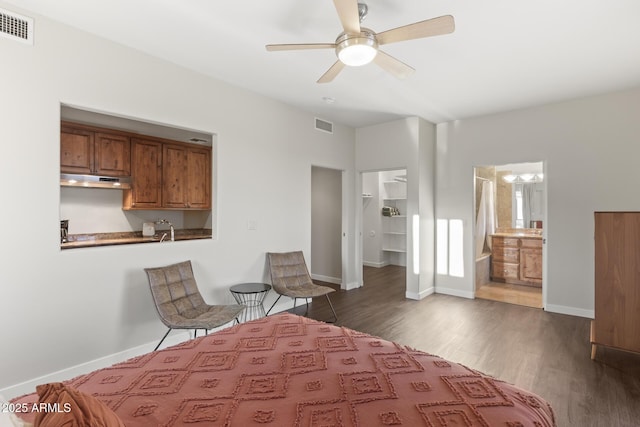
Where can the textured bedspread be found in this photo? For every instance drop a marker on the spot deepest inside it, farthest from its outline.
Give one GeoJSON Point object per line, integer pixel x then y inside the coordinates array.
{"type": "Point", "coordinates": [286, 370]}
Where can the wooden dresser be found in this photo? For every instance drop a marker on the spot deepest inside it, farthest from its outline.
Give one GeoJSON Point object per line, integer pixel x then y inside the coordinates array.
{"type": "Point", "coordinates": [617, 281]}
{"type": "Point", "coordinates": [517, 259]}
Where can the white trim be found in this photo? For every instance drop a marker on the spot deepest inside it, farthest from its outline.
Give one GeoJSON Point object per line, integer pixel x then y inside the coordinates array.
{"type": "Point", "coordinates": [455, 292]}
{"type": "Point", "coordinates": [328, 279]}
{"type": "Point", "coordinates": [420, 295]}
{"type": "Point", "coordinates": [29, 386]}
{"type": "Point", "coordinates": [375, 264]}
{"type": "Point", "coordinates": [352, 285]}
{"type": "Point", "coordinates": [572, 311]}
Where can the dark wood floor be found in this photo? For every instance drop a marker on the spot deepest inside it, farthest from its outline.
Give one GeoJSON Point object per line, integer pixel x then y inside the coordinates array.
{"type": "Point", "coordinates": [546, 353]}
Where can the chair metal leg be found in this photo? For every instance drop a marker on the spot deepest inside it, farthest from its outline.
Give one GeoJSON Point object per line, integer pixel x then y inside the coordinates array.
{"type": "Point", "coordinates": [165, 335]}
{"type": "Point", "coordinates": [334, 312]}
{"type": "Point", "coordinates": [273, 305]}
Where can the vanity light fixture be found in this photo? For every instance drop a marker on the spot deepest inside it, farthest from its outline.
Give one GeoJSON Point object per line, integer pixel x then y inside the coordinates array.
{"type": "Point", "coordinates": [525, 177]}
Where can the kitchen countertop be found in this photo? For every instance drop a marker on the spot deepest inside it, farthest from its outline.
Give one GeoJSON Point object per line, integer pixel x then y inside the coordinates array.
{"type": "Point", "coordinates": [128, 238]}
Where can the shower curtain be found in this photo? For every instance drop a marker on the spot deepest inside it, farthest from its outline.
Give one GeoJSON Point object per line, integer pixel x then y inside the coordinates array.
{"type": "Point", "coordinates": [528, 202]}
{"type": "Point", "coordinates": [486, 219]}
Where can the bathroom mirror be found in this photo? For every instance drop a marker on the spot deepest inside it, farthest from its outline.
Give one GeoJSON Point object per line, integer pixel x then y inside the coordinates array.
{"type": "Point", "coordinates": [518, 191]}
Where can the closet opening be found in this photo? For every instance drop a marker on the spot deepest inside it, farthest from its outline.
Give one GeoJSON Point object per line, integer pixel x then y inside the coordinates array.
{"type": "Point", "coordinates": [385, 225]}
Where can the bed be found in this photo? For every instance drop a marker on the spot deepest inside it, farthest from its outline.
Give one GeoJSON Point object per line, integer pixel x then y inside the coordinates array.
{"type": "Point", "coordinates": [287, 370]}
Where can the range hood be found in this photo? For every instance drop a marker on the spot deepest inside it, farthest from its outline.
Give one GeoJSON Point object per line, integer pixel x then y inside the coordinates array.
{"type": "Point", "coordinates": [95, 181]}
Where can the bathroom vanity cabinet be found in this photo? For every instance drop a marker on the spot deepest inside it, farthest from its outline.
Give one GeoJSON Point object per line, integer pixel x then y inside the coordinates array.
{"type": "Point", "coordinates": [517, 259]}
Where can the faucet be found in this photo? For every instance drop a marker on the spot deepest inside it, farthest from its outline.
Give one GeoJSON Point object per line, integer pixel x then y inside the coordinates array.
{"type": "Point", "coordinates": [164, 221]}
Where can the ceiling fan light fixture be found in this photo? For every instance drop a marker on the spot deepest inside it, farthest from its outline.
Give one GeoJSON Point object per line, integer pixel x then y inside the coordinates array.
{"type": "Point", "coordinates": [357, 50]}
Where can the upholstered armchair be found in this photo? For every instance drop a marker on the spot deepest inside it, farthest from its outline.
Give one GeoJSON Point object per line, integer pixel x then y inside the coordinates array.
{"type": "Point", "coordinates": [180, 304]}
{"type": "Point", "coordinates": [290, 277]}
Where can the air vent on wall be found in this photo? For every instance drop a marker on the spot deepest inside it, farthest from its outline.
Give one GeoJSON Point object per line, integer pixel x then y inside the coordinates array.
{"type": "Point", "coordinates": [16, 27]}
{"type": "Point", "coordinates": [324, 126]}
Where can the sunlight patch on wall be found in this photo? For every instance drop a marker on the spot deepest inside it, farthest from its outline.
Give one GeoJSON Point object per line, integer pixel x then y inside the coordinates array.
{"type": "Point", "coordinates": [449, 247]}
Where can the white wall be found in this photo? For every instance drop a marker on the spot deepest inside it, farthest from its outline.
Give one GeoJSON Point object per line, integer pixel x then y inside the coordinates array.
{"type": "Point", "coordinates": [64, 308]}
{"type": "Point", "coordinates": [405, 144]}
{"type": "Point", "coordinates": [326, 225]}
{"type": "Point", "coordinates": [590, 149]}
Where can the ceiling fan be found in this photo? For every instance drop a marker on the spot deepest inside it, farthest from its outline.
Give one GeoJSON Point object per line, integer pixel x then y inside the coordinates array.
{"type": "Point", "coordinates": [358, 45]}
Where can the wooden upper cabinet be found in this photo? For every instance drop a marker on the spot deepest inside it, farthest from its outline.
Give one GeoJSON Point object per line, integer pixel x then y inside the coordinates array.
{"type": "Point", "coordinates": [199, 178]}
{"type": "Point", "coordinates": [168, 175]}
{"type": "Point", "coordinates": [112, 154]}
{"type": "Point", "coordinates": [186, 177]}
{"type": "Point", "coordinates": [165, 174]}
{"type": "Point", "coordinates": [174, 176]}
{"type": "Point", "coordinates": [76, 150]}
{"type": "Point", "coordinates": [86, 151]}
{"type": "Point", "coordinates": [146, 175]}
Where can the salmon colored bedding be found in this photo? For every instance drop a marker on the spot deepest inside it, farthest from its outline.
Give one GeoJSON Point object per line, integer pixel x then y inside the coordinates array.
{"type": "Point", "coordinates": [287, 370]}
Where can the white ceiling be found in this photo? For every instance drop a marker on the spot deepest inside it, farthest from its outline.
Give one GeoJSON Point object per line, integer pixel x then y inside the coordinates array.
{"type": "Point", "coordinates": [503, 55]}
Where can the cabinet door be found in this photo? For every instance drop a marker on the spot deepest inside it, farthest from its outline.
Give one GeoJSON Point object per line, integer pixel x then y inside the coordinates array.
{"type": "Point", "coordinates": [146, 175]}
{"type": "Point", "coordinates": [531, 265]}
{"type": "Point", "coordinates": [112, 155]}
{"type": "Point", "coordinates": [76, 151]}
{"type": "Point", "coordinates": [199, 178]}
{"type": "Point", "coordinates": [174, 176]}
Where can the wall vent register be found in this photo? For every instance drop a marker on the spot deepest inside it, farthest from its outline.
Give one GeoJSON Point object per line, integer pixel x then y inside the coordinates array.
{"type": "Point", "coordinates": [324, 126]}
{"type": "Point", "coordinates": [16, 27]}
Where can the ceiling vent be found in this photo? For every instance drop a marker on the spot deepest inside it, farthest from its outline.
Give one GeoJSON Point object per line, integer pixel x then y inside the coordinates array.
{"type": "Point", "coordinates": [324, 126]}
{"type": "Point", "coordinates": [16, 27]}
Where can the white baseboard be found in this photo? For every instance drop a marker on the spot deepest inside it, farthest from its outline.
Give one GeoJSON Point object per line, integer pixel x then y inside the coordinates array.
{"type": "Point", "coordinates": [376, 264]}
{"type": "Point", "coordinates": [328, 279]}
{"type": "Point", "coordinates": [29, 386]}
{"type": "Point", "coordinates": [454, 292]}
{"type": "Point", "coordinates": [352, 285]}
{"type": "Point", "coordinates": [572, 311]}
{"type": "Point", "coordinates": [420, 295]}
{"type": "Point", "coordinates": [175, 337]}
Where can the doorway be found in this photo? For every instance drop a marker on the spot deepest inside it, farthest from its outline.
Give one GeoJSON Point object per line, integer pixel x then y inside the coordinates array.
{"type": "Point", "coordinates": [510, 213]}
{"type": "Point", "coordinates": [384, 223]}
{"type": "Point", "coordinates": [326, 225]}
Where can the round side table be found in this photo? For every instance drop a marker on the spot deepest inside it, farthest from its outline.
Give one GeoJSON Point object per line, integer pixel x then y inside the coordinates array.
{"type": "Point", "coordinates": [251, 295]}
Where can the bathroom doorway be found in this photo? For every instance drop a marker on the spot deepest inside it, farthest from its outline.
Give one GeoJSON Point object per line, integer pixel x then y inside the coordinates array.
{"type": "Point", "coordinates": [510, 214]}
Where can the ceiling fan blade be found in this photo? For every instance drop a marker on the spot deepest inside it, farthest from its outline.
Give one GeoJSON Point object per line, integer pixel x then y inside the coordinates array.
{"type": "Point", "coordinates": [430, 27]}
{"type": "Point", "coordinates": [300, 46]}
{"type": "Point", "coordinates": [331, 73]}
{"type": "Point", "coordinates": [393, 65]}
{"type": "Point", "coordinates": [348, 14]}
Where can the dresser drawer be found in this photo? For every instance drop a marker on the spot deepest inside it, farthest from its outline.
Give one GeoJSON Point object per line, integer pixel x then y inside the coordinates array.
{"type": "Point", "coordinates": [504, 254]}
{"type": "Point", "coordinates": [505, 241]}
{"type": "Point", "coordinates": [504, 270]}
{"type": "Point", "coordinates": [532, 243]}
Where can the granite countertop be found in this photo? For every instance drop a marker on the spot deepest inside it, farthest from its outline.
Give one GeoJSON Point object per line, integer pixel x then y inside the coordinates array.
{"type": "Point", "coordinates": [128, 238]}
{"type": "Point", "coordinates": [522, 235]}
